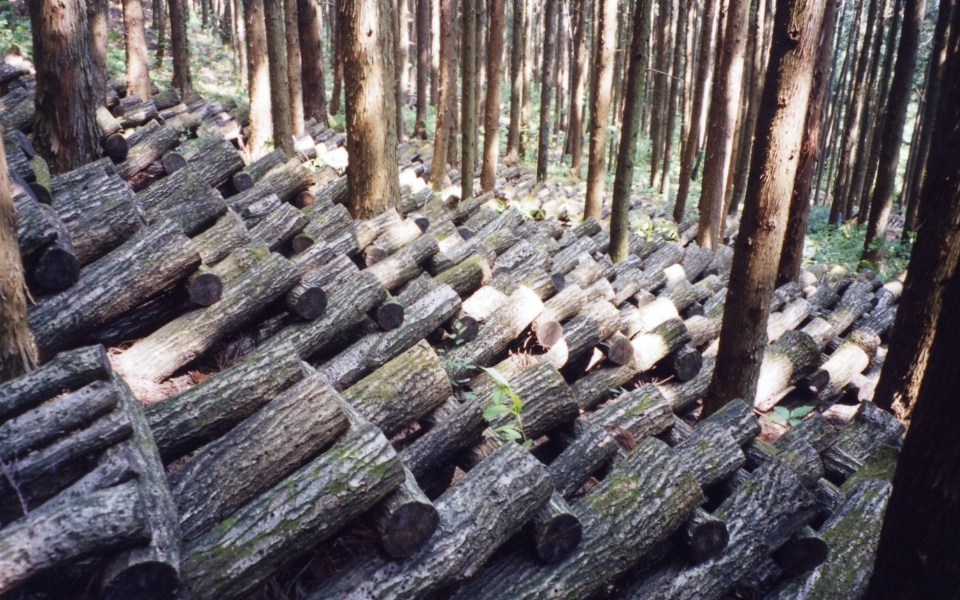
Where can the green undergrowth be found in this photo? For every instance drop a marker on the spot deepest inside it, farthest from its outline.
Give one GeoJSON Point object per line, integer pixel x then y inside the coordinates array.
{"type": "Point", "coordinates": [843, 245]}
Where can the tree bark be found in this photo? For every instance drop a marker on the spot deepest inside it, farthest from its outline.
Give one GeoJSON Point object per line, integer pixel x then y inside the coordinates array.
{"type": "Point", "coordinates": [182, 79]}
{"type": "Point", "coordinates": [280, 111]}
{"type": "Point", "coordinates": [311, 56]}
{"type": "Point", "coordinates": [98, 27]}
{"type": "Point", "coordinates": [446, 121]}
{"type": "Point", "coordinates": [546, 86]}
{"type": "Point", "coordinates": [422, 24]}
{"type": "Point", "coordinates": [517, 45]}
{"type": "Point", "coordinates": [65, 131]}
{"type": "Point", "coordinates": [630, 129]}
{"type": "Point", "coordinates": [372, 173]}
{"type": "Point", "coordinates": [138, 73]}
{"type": "Point", "coordinates": [491, 123]}
{"type": "Point", "coordinates": [468, 96]}
{"type": "Point", "coordinates": [780, 122]}
{"type": "Point", "coordinates": [291, 20]}
{"type": "Point", "coordinates": [258, 73]}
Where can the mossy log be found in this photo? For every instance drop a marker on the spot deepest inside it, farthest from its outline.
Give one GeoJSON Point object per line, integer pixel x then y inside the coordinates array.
{"type": "Point", "coordinates": [152, 568]}
{"type": "Point", "coordinates": [284, 522]}
{"type": "Point", "coordinates": [851, 535]}
{"type": "Point", "coordinates": [402, 390]}
{"type": "Point", "coordinates": [135, 111]}
{"type": "Point", "coordinates": [373, 351]}
{"type": "Point", "coordinates": [174, 345]}
{"type": "Point", "coordinates": [147, 145]}
{"type": "Point", "coordinates": [404, 265]}
{"type": "Point", "coordinates": [568, 258]}
{"type": "Point", "coordinates": [480, 512]}
{"type": "Point", "coordinates": [69, 370]}
{"type": "Point", "coordinates": [256, 454]}
{"type": "Point", "coordinates": [799, 455]}
{"type": "Point", "coordinates": [703, 329]}
{"type": "Point", "coordinates": [684, 363]}
{"type": "Point", "coordinates": [802, 553]}
{"type": "Point", "coordinates": [761, 515]}
{"type": "Point", "coordinates": [280, 226]}
{"type": "Point", "coordinates": [704, 536]}
{"type": "Point", "coordinates": [215, 160]}
{"type": "Point", "coordinates": [790, 358]}
{"type": "Point", "coordinates": [185, 198]}
{"type": "Point", "coordinates": [398, 235]}
{"type": "Point", "coordinates": [405, 519]}
{"type": "Point", "coordinates": [869, 429]}
{"type": "Point", "coordinates": [188, 420]}
{"type": "Point", "coordinates": [592, 447]}
{"type": "Point", "coordinates": [468, 276]}
{"type": "Point", "coordinates": [695, 261]}
{"type": "Point", "coordinates": [639, 504]}
{"type": "Point", "coordinates": [595, 323]}
{"type": "Point", "coordinates": [324, 225]}
{"type": "Point", "coordinates": [683, 294]}
{"type": "Point", "coordinates": [640, 412]}
{"type": "Point", "coordinates": [555, 529]}
{"type": "Point", "coordinates": [92, 525]}
{"type": "Point", "coordinates": [457, 427]}
{"type": "Point", "coordinates": [143, 266]}
{"type": "Point", "coordinates": [286, 181]}
{"type": "Point", "coordinates": [736, 417]}
{"type": "Point", "coordinates": [254, 172]}
{"type": "Point", "coordinates": [217, 242]}
{"type": "Point", "coordinates": [55, 418]}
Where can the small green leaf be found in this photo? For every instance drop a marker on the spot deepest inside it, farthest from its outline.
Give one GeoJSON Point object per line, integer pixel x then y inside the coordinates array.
{"type": "Point", "coordinates": [517, 403]}
{"type": "Point", "coordinates": [801, 411]}
{"type": "Point", "coordinates": [499, 395]}
{"type": "Point", "coordinates": [780, 415]}
{"type": "Point", "coordinates": [495, 410]}
{"type": "Point", "coordinates": [509, 432]}
{"type": "Point", "coordinates": [469, 395]}
{"type": "Point", "coordinates": [527, 444]}
{"type": "Point", "coordinates": [496, 376]}
{"type": "Point", "coordinates": [795, 422]}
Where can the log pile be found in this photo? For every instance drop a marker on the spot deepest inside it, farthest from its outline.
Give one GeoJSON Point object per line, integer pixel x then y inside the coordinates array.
{"type": "Point", "coordinates": [503, 411]}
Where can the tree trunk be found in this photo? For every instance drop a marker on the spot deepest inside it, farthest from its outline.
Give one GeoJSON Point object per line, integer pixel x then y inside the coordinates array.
{"type": "Point", "coordinates": [372, 171]}
{"type": "Point", "coordinates": [724, 109]}
{"type": "Point", "coordinates": [491, 123]}
{"type": "Point", "coordinates": [783, 111]}
{"type": "Point", "coordinates": [65, 131]}
{"type": "Point", "coordinates": [896, 116]}
{"type": "Point", "coordinates": [468, 96]}
{"type": "Point", "coordinates": [546, 86]}
{"type": "Point", "coordinates": [258, 71]}
{"type": "Point", "coordinates": [792, 254]}
{"type": "Point", "coordinates": [517, 45]}
{"type": "Point", "coordinates": [444, 135]}
{"type": "Point", "coordinates": [138, 74]}
{"type": "Point", "coordinates": [18, 354]}
{"type": "Point", "coordinates": [311, 57]}
{"type": "Point", "coordinates": [578, 88]}
{"type": "Point", "coordinates": [423, 18]}
{"type": "Point", "coordinates": [626, 154]}
{"type": "Point", "coordinates": [98, 27]}
{"type": "Point", "coordinates": [601, 86]}
{"type": "Point", "coordinates": [291, 20]}
{"type": "Point", "coordinates": [280, 113]}
{"type": "Point", "coordinates": [336, 59]}
{"type": "Point", "coordinates": [182, 79]}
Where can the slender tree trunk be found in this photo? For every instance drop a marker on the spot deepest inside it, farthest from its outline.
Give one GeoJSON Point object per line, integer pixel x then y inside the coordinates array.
{"type": "Point", "coordinates": [444, 135]}
{"type": "Point", "coordinates": [279, 90]}
{"type": "Point", "coordinates": [700, 106]}
{"type": "Point", "coordinates": [468, 96]}
{"type": "Point", "coordinates": [724, 108]}
{"type": "Point", "coordinates": [98, 27]}
{"type": "Point", "coordinates": [660, 84]}
{"type": "Point", "coordinates": [516, 80]}
{"type": "Point", "coordinates": [792, 254]}
{"type": "Point", "coordinates": [627, 152]}
{"type": "Point", "coordinates": [918, 557]}
{"type": "Point", "coordinates": [160, 22]}
{"type": "Point", "coordinates": [391, 66]}
{"type": "Point", "coordinates": [18, 354]}
{"type": "Point", "coordinates": [453, 156]}
{"type": "Point", "coordinates": [491, 124]}
{"type": "Point", "coordinates": [372, 172]}
{"type": "Point", "coordinates": [182, 79]}
{"type": "Point", "coordinates": [678, 32]}
{"type": "Point", "coordinates": [579, 87]}
{"type": "Point", "coordinates": [423, 65]}
{"type": "Point", "coordinates": [601, 84]}
{"type": "Point", "coordinates": [294, 66]}
{"type": "Point", "coordinates": [529, 61]}
{"type": "Point", "coordinates": [65, 131]}
{"type": "Point", "coordinates": [403, 20]}
{"type": "Point", "coordinates": [138, 71]}
{"type": "Point", "coordinates": [258, 69]}
{"type": "Point", "coordinates": [241, 38]}
{"type": "Point", "coordinates": [311, 62]}
{"type": "Point", "coordinates": [546, 86]}
{"type": "Point", "coordinates": [435, 34]}
{"type": "Point", "coordinates": [783, 111]}
{"type": "Point", "coordinates": [337, 59]}
{"type": "Point", "coordinates": [882, 200]}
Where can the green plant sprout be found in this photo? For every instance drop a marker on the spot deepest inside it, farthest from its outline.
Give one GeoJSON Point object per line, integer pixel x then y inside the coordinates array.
{"type": "Point", "coordinates": [793, 417]}
{"type": "Point", "coordinates": [504, 401]}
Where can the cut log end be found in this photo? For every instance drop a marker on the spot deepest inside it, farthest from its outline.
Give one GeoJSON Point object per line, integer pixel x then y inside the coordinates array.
{"type": "Point", "coordinates": [41, 193]}
{"type": "Point", "coordinates": [311, 304]}
{"type": "Point", "coordinates": [409, 528]}
{"type": "Point", "coordinates": [172, 162]}
{"type": "Point", "coordinates": [116, 147]}
{"type": "Point", "coordinates": [467, 328]}
{"type": "Point", "coordinates": [559, 537]}
{"type": "Point", "coordinates": [706, 540]}
{"type": "Point", "coordinates": [301, 243]}
{"type": "Point", "coordinates": [242, 181]}
{"type": "Point", "coordinates": [148, 581]}
{"type": "Point", "coordinates": [618, 349]}
{"type": "Point", "coordinates": [304, 199]}
{"type": "Point", "coordinates": [685, 363]}
{"type": "Point", "coordinates": [205, 289]}
{"type": "Point", "coordinates": [422, 222]}
{"type": "Point", "coordinates": [57, 269]}
{"type": "Point", "coordinates": [372, 255]}
{"type": "Point", "coordinates": [559, 281]}
{"type": "Point", "coordinates": [466, 233]}
{"type": "Point", "coordinates": [389, 315]}
{"type": "Point", "coordinates": [801, 554]}
{"type": "Point", "coordinates": [549, 333]}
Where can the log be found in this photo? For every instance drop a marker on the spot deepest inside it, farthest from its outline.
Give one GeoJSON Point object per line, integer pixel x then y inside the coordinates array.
{"type": "Point", "coordinates": [256, 454]}
{"type": "Point", "coordinates": [168, 98]}
{"type": "Point", "coordinates": [286, 181]}
{"type": "Point", "coordinates": [761, 515]}
{"type": "Point", "coordinates": [306, 300]}
{"type": "Point", "coordinates": [641, 412]}
{"type": "Point", "coordinates": [695, 261]}
{"type": "Point", "coordinates": [404, 265]}
{"type": "Point", "coordinates": [280, 226]}
{"type": "Point", "coordinates": [647, 317]}
{"type": "Point", "coordinates": [144, 265]}
{"type": "Point", "coordinates": [92, 525]}
{"type": "Point", "coordinates": [185, 421]}
{"type": "Point", "coordinates": [398, 235]}
{"type": "Point", "coordinates": [683, 396]}
{"type": "Point", "coordinates": [147, 145]}
{"type": "Point", "coordinates": [481, 511]}
{"type": "Point", "coordinates": [55, 418]}
{"type": "Point", "coordinates": [174, 345]}
{"type": "Point", "coordinates": [711, 454]}
{"type": "Point", "coordinates": [34, 229]}
{"type": "Point", "coordinates": [172, 162]}
{"type": "Point", "coordinates": [184, 197]}
{"type": "Point", "coordinates": [851, 534]}
{"type": "Point", "coordinates": [617, 349]}
{"type": "Point", "coordinates": [684, 363]}
{"type": "Point", "coordinates": [547, 401]}
{"type": "Point", "coordinates": [793, 356]}
{"type": "Point", "coordinates": [556, 530]}
{"type": "Point", "coordinates": [802, 553]}
{"type": "Point", "coordinates": [788, 319]}
{"type": "Point", "coordinates": [704, 536]}
{"type": "Point", "coordinates": [254, 172]}
{"type": "Point", "coordinates": [152, 568]}
{"type": "Point", "coordinates": [135, 111]}
{"type": "Point", "coordinates": [18, 110]}
{"type": "Point", "coordinates": [458, 427]}
{"type": "Point", "coordinates": [215, 160]}
{"type": "Point", "coordinates": [595, 324]}
{"type": "Point", "coordinates": [405, 519]}
{"type": "Point", "coordinates": [800, 456]}
{"type": "Point", "coordinates": [640, 503]}
{"type": "Point", "coordinates": [592, 448]}
{"type": "Point", "coordinates": [467, 276]}
{"type": "Point", "coordinates": [869, 429]}
{"type": "Point", "coordinates": [850, 359]}
{"type": "Point", "coordinates": [292, 517]}
{"type": "Point", "coordinates": [216, 243]}
{"type": "Point", "coordinates": [389, 315]}
{"type": "Point", "coordinates": [68, 370]}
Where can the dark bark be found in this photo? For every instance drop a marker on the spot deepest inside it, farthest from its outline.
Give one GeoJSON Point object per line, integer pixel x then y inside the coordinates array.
{"type": "Point", "coordinates": [291, 28]}
{"type": "Point", "coordinates": [138, 73]}
{"type": "Point", "coordinates": [491, 122]}
{"type": "Point", "coordinates": [182, 79]}
{"type": "Point", "coordinates": [311, 62]}
{"type": "Point", "coordinates": [280, 111]}
{"type": "Point", "coordinates": [517, 46]}
{"type": "Point", "coordinates": [66, 371]}
{"type": "Point", "coordinates": [780, 122]}
{"type": "Point", "coordinates": [258, 78]}
{"type": "Point", "coordinates": [546, 86]}
{"type": "Point", "coordinates": [468, 95]}
{"type": "Point", "coordinates": [601, 84]}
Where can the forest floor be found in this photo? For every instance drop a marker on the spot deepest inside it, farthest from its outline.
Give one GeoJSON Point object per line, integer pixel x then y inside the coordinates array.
{"type": "Point", "coordinates": [216, 74]}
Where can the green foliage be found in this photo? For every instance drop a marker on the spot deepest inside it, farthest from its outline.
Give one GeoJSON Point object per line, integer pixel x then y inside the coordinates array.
{"type": "Point", "coordinates": [15, 28]}
{"type": "Point", "coordinates": [456, 335]}
{"type": "Point", "coordinates": [843, 246]}
{"type": "Point", "coordinates": [504, 401]}
{"type": "Point", "coordinates": [793, 417]}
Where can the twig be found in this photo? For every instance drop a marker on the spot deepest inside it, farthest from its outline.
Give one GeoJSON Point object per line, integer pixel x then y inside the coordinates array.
{"type": "Point", "coordinates": [5, 469]}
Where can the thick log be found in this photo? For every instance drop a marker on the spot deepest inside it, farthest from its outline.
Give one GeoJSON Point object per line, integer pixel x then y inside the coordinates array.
{"type": "Point", "coordinates": [174, 345]}
{"type": "Point", "coordinates": [68, 370]}
{"type": "Point", "coordinates": [879, 320]}
{"type": "Point", "coordinates": [280, 226]}
{"type": "Point", "coordinates": [682, 293]}
{"type": "Point", "coordinates": [18, 110]}
{"type": "Point", "coordinates": [851, 535]}
{"type": "Point", "coordinates": [547, 400]}
{"type": "Point", "coordinates": [55, 418]}
{"type": "Point", "coordinates": [286, 181]}
{"type": "Point", "coordinates": [800, 456]}
{"type": "Point", "coordinates": [217, 242]}
{"type": "Point", "coordinates": [850, 359]}
{"type": "Point", "coordinates": [816, 430]}
{"type": "Point", "coordinates": [115, 466]}
{"type": "Point", "coordinates": [215, 160]}
{"type": "Point", "coordinates": [458, 427]}
{"type": "Point", "coordinates": [152, 568]}
{"type": "Point", "coordinates": [617, 349]}
{"type": "Point", "coordinates": [293, 516]}
{"type": "Point", "coordinates": [638, 505]}
{"type": "Point", "coordinates": [325, 226]}
{"type": "Point", "coordinates": [146, 264]}
{"type": "Point", "coordinates": [92, 525]}
{"type": "Point", "coordinates": [147, 145]}
{"type": "Point", "coordinates": [683, 396]}
{"type": "Point", "coordinates": [404, 265]}
{"type": "Point", "coordinates": [696, 260]}
{"type": "Point", "coordinates": [802, 553]}
{"type": "Point", "coordinates": [711, 454]}
{"type": "Point", "coordinates": [641, 412]}
{"type": "Point", "coordinates": [704, 536]}
{"type": "Point", "coordinates": [684, 363]}
{"type": "Point", "coordinates": [389, 315]}
{"type": "Point", "coordinates": [596, 323]}
{"type": "Point", "coordinates": [184, 197]}
{"type": "Point", "coordinates": [703, 329]}
{"type": "Point", "coordinates": [402, 390]}
{"type": "Point", "coordinates": [135, 112]}
{"type": "Point", "coordinates": [792, 357]}
{"type": "Point", "coordinates": [592, 448]}
{"type": "Point", "coordinates": [869, 429]}
{"type": "Point", "coordinates": [186, 421]}
{"type": "Point", "coordinates": [761, 515]}
{"type": "Point", "coordinates": [647, 317]}
{"type": "Point", "coordinates": [256, 454]}
{"type": "Point", "coordinates": [788, 319]}
{"type": "Point", "coordinates": [35, 231]}
{"type": "Point", "coordinates": [556, 531]}
{"type": "Point", "coordinates": [467, 276]}
{"type": "Point", "coordinates": [406, 519]}
{"type": "Point", "coordinates": [398, 235]}
{"type": "Point", "coordinates": [166, 99]}
{"type": "Point", "coordinates": [568, 258]}
{"type": "Point", "coordinates": [172, 162]}
{"type": "Point", "coordinates": [477, 514]}
{"type": "Point", "coordinates": [243, 180]}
